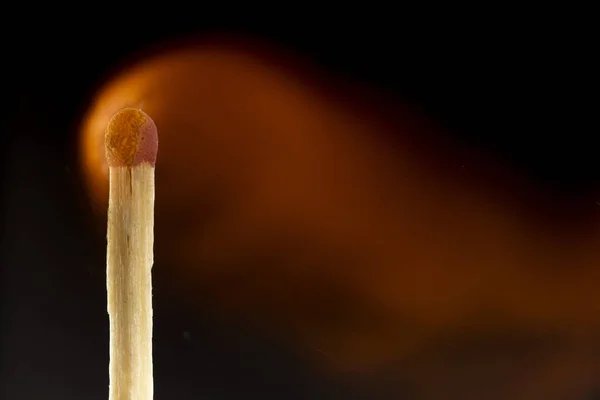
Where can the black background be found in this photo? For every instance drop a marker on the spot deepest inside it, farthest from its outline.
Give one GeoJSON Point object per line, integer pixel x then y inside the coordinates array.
{"type": "Point", "coordinates": [516, 88]}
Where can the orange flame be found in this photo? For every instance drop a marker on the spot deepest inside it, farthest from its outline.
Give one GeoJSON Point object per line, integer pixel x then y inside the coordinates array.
{"type": "Point", "coordinates": [289, 203]}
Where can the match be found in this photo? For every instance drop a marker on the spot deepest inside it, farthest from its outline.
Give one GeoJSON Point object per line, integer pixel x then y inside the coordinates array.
{"type": "Point", "coordinates": [131, 142]}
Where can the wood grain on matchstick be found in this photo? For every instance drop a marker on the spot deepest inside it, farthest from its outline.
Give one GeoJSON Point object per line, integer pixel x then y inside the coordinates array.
{"type": "Point", "coordinates": [131, 147]}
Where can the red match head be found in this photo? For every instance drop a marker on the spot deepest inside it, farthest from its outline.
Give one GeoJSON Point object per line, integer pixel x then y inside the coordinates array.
{"type": "Point", "coordinates": [131, 138]}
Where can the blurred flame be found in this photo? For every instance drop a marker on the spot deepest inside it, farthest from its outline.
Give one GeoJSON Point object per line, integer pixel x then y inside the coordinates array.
{"type": "Point", "coordinates": [284, 201]}
{"type": "Point", "coordinates": [128, 90]}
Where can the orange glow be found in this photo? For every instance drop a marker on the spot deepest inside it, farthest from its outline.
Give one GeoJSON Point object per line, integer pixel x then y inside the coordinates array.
{"type": "Point", "coordinates": [291, 204]}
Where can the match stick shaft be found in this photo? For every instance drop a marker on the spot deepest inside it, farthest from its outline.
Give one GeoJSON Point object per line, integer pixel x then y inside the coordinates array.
{"type": "Point", "coordinates": [130, 238]}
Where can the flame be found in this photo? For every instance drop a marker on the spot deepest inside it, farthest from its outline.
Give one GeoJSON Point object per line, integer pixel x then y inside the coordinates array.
{"type": "Point", "coordinates": [290, 203]}
{"type": "Point", "coordinates": [127, 90]}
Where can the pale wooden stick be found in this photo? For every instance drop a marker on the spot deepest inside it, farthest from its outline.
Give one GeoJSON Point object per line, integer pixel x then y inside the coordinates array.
{"type": "Point", "coordinates": [131, 144]}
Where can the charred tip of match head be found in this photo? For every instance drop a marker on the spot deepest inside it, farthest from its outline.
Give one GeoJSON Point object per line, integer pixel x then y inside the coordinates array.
{"type": "Point", "coordinates": [131, 138]}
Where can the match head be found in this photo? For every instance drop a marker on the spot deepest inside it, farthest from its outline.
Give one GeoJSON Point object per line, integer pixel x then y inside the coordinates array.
{"type": "Point", "coordinates": [131, 138]}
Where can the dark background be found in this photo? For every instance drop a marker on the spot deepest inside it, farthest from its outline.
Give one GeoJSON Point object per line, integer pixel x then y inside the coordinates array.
{"type": "Point", "coordinates": [522, 84]}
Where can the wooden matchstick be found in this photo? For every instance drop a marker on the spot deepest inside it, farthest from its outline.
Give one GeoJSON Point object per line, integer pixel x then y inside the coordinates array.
{"type": "Point", "coordinates": [131, 145]}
